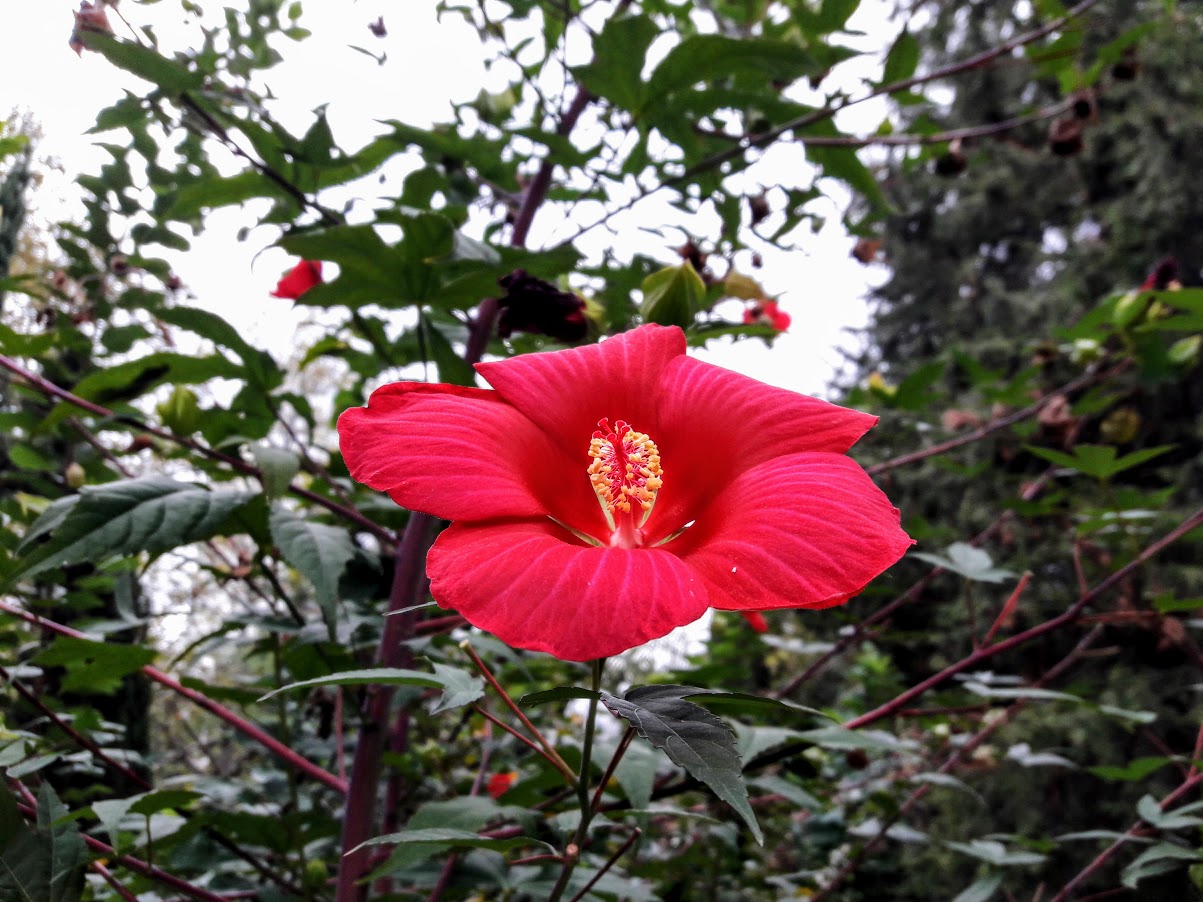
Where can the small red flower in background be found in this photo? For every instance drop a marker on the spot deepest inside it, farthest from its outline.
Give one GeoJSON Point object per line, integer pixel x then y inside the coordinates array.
{"type": "Point", "coordinates": [500, 784]}
{"type": "Point", "coordinates": [767, 313]}
{"type": "Point", "coordinates": [581, 534]}
{"type": "Point", "coordinates": [756, 621]}
{"type": "Point", "coordinates": [299, 279]}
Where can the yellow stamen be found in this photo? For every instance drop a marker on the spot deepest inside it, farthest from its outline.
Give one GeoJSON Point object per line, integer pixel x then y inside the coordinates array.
{"type": "Point", "coordinates": [625, 470]}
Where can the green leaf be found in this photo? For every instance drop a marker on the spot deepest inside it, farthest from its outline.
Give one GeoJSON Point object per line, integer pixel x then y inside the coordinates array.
{"type": "Point", "coordinates": [902, 59]}
{"type": "Point", "coordinates": [135, 378]}
{"type": "Point", "coordinates": [845, 740]}
{"type": "Point", "coordinates": [720, 702]}
{"type": "Point", "coordinates": [145, 62]}
{"type": "Point", "coordinates": [1159, 859]}
{"type": "Point", "coordinates": [1150, 810]}
{"type": "Point", "coordinates": [259, 365]}
{"type": "Point", "coordinates": [981, 889]}
{"type": "Point", "coordinates": [380, 676]}
{"type": "Point", "coordinates": [461, 688]}
{"type": "Point", "coordinates": [994, 852]}
{"type": "Point", "coordinates": [559, 694]}
{"type": "Point", "coordinates": [709, 57]}
{"type": "Point", "coordinates": [618, 54]}
{"type": "Point", "coordinates": [692, 737]}
{"type": "Point", "coordinates": [673, 296]}
{"type": "Point", "coordinates": [277, 466]}
{"type": "Point", "coordinates": [441, 838]}
{"type": "Point", "coordinates": [127, 517]}
{"type": "Point", "coordinates": [636, 772]}
{"type": "Point", "coordinates": [1133, 771]}
{"type": "Point", "coordinates": [46, 865]}
{"type": "Point", "coordinates": [452, 367]}
{"type": "Point", "coordinates": [94, 667]}
{"type": "Point", "coordinates": [967, 561]}
{"type": "Point", "coordinates": [317, 551]}
{"type": "Point", "coordinates": [1098, 461]}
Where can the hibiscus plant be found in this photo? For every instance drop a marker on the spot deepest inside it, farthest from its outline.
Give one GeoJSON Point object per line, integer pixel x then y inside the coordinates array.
{"type": "Point", "coordinates": [439, 600]}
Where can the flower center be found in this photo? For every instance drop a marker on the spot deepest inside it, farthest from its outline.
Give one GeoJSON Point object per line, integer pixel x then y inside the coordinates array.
{"type": "Point", "coordinates": [626, 476]}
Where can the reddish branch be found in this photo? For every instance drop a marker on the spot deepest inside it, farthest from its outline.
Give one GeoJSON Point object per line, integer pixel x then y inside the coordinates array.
{"type": "Point", "coordinates": [29, 809]}
{"type": "Point", "coordinates": [1132, 832]}
{"type": "Point", "coordinates": [1070, 615]}
{"type": "Point", "coordinates": [954, 760]}
{"type": "Point", "coordinates": [1086, 379]}
{"type": "Point", "coordinates": [49, 388]}
{"type": "Point", "coordinates": [244, 726]}
{"type": "Point", "coordinates": [912, 594]}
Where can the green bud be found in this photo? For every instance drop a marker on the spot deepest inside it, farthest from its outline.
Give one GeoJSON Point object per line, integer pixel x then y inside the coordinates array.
{"type": "Point", "coordinates": [673, 296]}
{"type": "Point", "coordinates": [75, 475]}
{"type": "Point", "coordinates": [181, 411]}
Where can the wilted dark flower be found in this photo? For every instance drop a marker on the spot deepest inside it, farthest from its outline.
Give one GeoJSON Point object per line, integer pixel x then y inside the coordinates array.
{"type": "Point", "coordinates": [535, 306]}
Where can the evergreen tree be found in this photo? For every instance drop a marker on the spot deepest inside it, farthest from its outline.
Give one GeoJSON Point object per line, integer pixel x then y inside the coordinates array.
{"type": "Point", "coordinates": [996, 248]}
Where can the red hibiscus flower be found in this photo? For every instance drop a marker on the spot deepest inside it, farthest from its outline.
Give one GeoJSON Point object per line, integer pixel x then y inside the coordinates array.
{"type": "Point", "coordinates": [766, 313]}
{"type": "Point", "coordinates": [602, 496]}
{"type": "Point", "coordinates": [299, 279]}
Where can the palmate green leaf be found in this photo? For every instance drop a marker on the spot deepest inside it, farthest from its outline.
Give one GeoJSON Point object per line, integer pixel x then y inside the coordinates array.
{"type": "Point", "coordinates": [692, 737]}
{"type": "Point", "coordinates": [1099, 461]}
{"type": "Point", "coordinates": [94, 667]}
{"type": "Point", "coordinates": [191, 198]}
{"type": "Point", "coordinates": [145, 62]}
{"type": "Point", "coordinates": [708, 57]}
{"type": "Point", "coordinates": [618, 55]}
{"type": "Point", "coordinates": [152, 515]}
{"type": "Point", "coordinates": [259, 364]}
{"type": "Point", "coordinates": [316, 550]}
{"type": "Point", "coordinates": [46, 866]}
{"type": "Point", "coordinates": [110, 812]}
{"type": "Point", "coordinates": [968, 561]}
{"type": "Point", "coordinates": [459, 688]}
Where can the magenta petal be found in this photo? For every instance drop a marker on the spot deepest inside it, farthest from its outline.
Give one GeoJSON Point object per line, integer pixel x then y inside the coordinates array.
{"type": "Point", "coordinates": [455, 452]}
{"type": "Point", "coordinates": [802, 531]}
{"type": "Point", "coordinates": [715, 424]}
{"type": "Point", "coordinates": [567, 392]}
{"type": "Point", "coordinates": [534, 586]}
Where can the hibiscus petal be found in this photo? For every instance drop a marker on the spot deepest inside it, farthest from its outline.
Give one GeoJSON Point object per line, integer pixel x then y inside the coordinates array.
{"type": "Point", "coordinates": [801, 531]}
{"type": "Point", "coordinates": [534, 586]}
{"type": "Point", "coordinates": [716, 424]}
{"type": "Point", "coordinates": [567, 392]}
{"type": "Point", "coordinates": [446, 450]}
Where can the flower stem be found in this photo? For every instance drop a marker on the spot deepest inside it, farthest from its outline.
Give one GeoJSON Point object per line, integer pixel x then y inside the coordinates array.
{"type": "Point", "coordinates": [549, 751]}
{"type": "Point", "coordinates": [572, 854]}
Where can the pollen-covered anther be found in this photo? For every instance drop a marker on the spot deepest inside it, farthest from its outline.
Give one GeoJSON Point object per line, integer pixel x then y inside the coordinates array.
{"type": "Point", "coordinates": [625, 470]}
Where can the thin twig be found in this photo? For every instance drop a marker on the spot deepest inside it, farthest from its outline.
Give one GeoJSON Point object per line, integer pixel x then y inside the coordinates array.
{"type": "Point", "coordinates": [241, 724]}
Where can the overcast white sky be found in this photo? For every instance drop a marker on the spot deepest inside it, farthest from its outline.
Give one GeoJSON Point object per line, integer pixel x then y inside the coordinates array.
{"type": "Point", "coordinates": [430, 64]}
